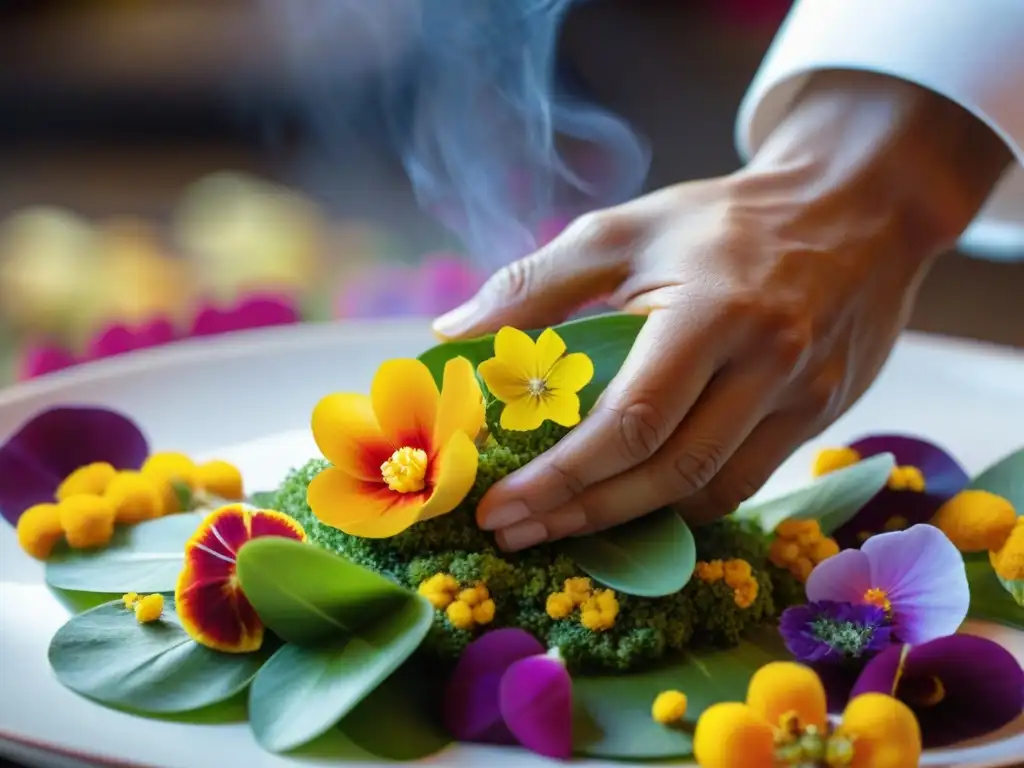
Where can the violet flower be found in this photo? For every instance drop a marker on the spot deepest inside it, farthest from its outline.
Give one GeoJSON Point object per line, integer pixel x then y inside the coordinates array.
{"type": "Point", "coordinates": [834, 633]}
{"type": "Point", "coordinates": [899, 509]}
{"type": "Point", "coordinates": [916, 576]}
{"type": "Point", "coordinates": [959, 686]}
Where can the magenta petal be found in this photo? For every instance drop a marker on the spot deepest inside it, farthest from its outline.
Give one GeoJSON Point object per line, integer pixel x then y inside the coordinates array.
{"type": "Point", "coordinates": [264, 311]}
{"type": "Point", "coordinates": [119, 339]}
{"type": "Point", "coordinates": [39, 361]}
{"type": "Point", "coordinates": [536, 704]}
{"type": "Point", "coordinates": [49, 447]}
{"type": "Point", "coordinates": [470, 708]}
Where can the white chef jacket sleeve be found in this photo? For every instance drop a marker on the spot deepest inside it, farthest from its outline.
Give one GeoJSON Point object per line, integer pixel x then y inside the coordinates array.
{"type": "Point", "coordinates": [970, 51]}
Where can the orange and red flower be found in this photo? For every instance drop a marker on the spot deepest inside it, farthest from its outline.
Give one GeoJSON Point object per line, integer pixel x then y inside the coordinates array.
{"type": "Point", "coordinates": [208, 599]}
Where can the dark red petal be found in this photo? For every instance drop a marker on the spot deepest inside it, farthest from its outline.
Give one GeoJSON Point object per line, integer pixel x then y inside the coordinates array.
{"type": "Point", "coordinates": [265, 522]}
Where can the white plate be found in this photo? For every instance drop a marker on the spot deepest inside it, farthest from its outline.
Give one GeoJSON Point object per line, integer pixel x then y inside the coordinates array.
{"type": "Point", "coordinates": [248, 399]}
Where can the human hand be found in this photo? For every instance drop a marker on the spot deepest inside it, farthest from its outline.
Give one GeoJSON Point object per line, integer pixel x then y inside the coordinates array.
{"type": "Point", "coordinates": [774, 297]}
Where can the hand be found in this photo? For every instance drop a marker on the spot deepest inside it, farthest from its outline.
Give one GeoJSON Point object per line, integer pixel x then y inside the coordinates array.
{"type": "Point", "coordinates": [774, 297]}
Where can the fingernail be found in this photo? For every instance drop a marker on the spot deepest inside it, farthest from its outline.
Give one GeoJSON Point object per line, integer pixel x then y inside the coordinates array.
{"type": "Point", "coordinates": [507, 514]}
{"type": "Point", "coordinates": [522, 535]}
{"type": "Point", "coordinates": [458, 320]}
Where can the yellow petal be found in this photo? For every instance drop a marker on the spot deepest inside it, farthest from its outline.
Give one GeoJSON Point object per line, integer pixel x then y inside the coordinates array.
{"type": "Point", "coordinates": [518, 352]}
{"type": "Point", "coordinates": [562, 407]}
{"type": "Point", "coordinates": [339, 499]}
{"type": "Point", "coordinates": [504, 382]}
{"type": "Point", "coordinates": [784, 687]}
{"type": "Point", "coordinates": [522, 415]}
{"type": "Point", "coordinates": [549, 348]}
{"type": "Point", "coordinates": [452, 476]}
{"type": "Point", "coordinates": [732, 735]}
{"type": "Point", "coordinates": [571, 374]}
{"type": "Point", "coordinates": [884, 732]}
{"type": "Point", "coordinates": [396, 519]}
{"type": "Point", "coordinates": [347, 433]}
{"type": "Point", "coordinates": [405, 401]}
{"type": "Point", "coordinates": [461, 407]}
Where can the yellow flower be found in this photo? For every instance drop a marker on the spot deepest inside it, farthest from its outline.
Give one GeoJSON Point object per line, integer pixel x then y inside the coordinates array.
{"type": "Point", "coordinates": [883, 731]}
{"type": "Point", "coordinates": [135, 497]}
{"type": "Point", "coordinates": [439, 589]}
{"type": "Point", "coordinates": [130, 599]}
{"type": "Point", "coordinates": [220, 479]}
{"type": "Point", "coordinates": [559, 605]}
{"type": "Point", "coordinates": [710, 572]}
{"type": "Point", "coordinates": [149, 608]}
{"type": "Point", "coordinates": [88, 521]}
{"type": "Point", "coordinates": [783, 553]}
{"type": "Point", "coordinates": [599, 612]}
{"type": "Point", "coordinates": [537, 381]}
{"type": "Point", "coordinates": [460, 615]}
{"type": "Point", "coordinates": [669, 707]}
{"type": "Point", "coordinates": [1008, 560]}
{"type": "Point", "coordinates": [173, 472]}
{"type": "Point", "coordinates": [39, 530]}
{"type": "Point", "coordinates": [732, 735]}
{"type": "Point", "coordinates": [832, 459]}
{"type": "Point", "coordinates": [402, 455]}
{"type": "Point", "coordinates": [976, 521]}
{"type": "Point", "coordinates": [799, 545]}
{"type": "Point", "coordinates": [906, 478]}
{"type": "Point", "coordinates": [483, 613]}
{"type": "Point", "coordinates": [578, 588]}
{"type": "Point", "coordinates": [746, 593]}
{"type": "Point", "coordinates": [91, 479]}
{"type": "Point", "coordinates": [737, 572]}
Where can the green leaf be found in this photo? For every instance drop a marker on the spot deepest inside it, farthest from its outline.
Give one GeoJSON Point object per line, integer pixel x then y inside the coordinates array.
{"type": "Point", "coordinates": [301, 692]}
{"type": "Point", "coordinates": [651, 556]}
{"type": "Point", "coordinates": [607, 340]}
{"type": "Point", "coordinates": [146, 557]}
{"type": "Point", "coordinates": [613, 712]}
{"type": "Point", "coordinates": [990, 600]}
{"type": "Point", "coordinates": [263, 499]}
{"type": "Point", "coordinates": [155, 668]}
{"type": "Point", "coordinates": [1005, 478]}
{"type": "Point", "coordinates": [307, 595]}
{"type": "Point", "coordinates": [832, 499]}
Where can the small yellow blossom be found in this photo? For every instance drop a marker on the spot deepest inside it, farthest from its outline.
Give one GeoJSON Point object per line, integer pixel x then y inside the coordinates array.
{"type": "Point", "coordinates": [832, 459]}
{"type": "Point", "coordinates": [793, 530]}
{"type": "Point", "coordinates": [473, 596]}
{"type": "Point", "coordinates": [537, 381]}
{"type": "Point", "coordinates": [599, 612]}
{"type": "Point", "coordinates": [732, 735]}
{"type": "Point", "coordinates": [976, 520]}
{"type": "Point", "coordinates": [746, 593]}
{"type": "Point", "coordinates": [783, 552]}
{"type": "Point", "coordinates": [88, 521]}
{"type": "Point", "coordinates": [91, 479]}
{"type": "Point", "coordinates": [483, 612]}
{"type": "Point", "coordinates": [578, 588]}
{"type": "Point", "coordinates": [802, 569]}
{"type": "Point", "coordinates": [596, 621]}
{"type": "Point", "coordinates": [883, 731]}
{"type": "Point", "coordinates": [559, 605]}
{"type": "Point", "coordinates": [135, 497]}
{"type": "Point", "coordinates": [171, 471]}
{"type": "Point", "coordinates": [460, 615]}
{"type": "Point", "coordinates": [39, 530]}
{"type": "Point", "coordinates": [822, 549]}
{"type": "Point", "coordinates": [439, 589]}
{"type": "Point", "coordinates": [710, 572]}
{"type": "Point", "coordinates": [669, 707]}
{"type": "Point", "coordinates": [907, 479]}
{"type": "Point", "coordinates": [799, 545]}
{"type": "Point", "coordinates": [220, 479]}
{"type": "Point", "coordinates": [130, 599]}
{"type": "Point", "coordinates": [895, 523]}
{"type": "Point", "coordinates": [737, 572]}
{"type": "Point", "coordinates": [149, 608]}
{"type": "Point", "coordinates": [1008, 560]}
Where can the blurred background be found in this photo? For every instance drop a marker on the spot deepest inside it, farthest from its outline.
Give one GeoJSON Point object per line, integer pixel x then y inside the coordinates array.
{"type": "Point", "coordinates": [197, 167]}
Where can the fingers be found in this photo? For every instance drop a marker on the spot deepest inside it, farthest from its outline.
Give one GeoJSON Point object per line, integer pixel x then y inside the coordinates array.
{"type": "Point", "coordinates": [731, 409]}
{"type": "Point", "coordinates": [585, 263]}
{"type": "Point", "coordinates": [669, 366]}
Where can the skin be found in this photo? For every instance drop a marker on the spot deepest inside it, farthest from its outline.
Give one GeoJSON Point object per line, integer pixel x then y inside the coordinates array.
{"type": "Point", "coordinates": [774, 294]}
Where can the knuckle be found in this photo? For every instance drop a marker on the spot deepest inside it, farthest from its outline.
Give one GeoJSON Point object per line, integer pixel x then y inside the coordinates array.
{"type": "Point", "coordinates": [601, 229]}
{"type": "Point", "coordinates": [696, 466]}
{"type": "Point", "coordinates": [641, 430]}
{"type": "Point", "coordinates": [729, 491]}
{"type": "Point", "coordinates": [512, 283]}
{"type": "Point", "coordinates": [569, 477]}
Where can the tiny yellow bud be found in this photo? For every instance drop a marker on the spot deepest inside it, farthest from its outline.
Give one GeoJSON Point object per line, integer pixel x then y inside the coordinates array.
{"type": "Point", "coordinates": [795, 529]}
{"type": "Point", "coordinates": [221, 479]}
{"type": "Point", "coordinates": [135, 497]}
{"type": "Point", "coordinates": [732, 735]}
{"type": "Point", "coordinates": [801, 569]}
{"type": "Point", "coordinates": [130, 599]}
{"type": "Point", "coordinates": [484, 612]}
{"type": "Point", "coordinates": [439, 582]}
{"type": "Point", "coordinates": [785, 688]}
{"type": "Point", "coordinates": [39, 530]}
{"type": "Point", "coordinates": [92, 479]}
{"type": "Point", "coordinates": [559, 605]}
{"type": "Point", "coordinates": [737, 572]}
{"type": "Point", "coordinates": [832, 459]}
{"type": "Point", "coordinates": [906, 478]}
{"type": "Point", "coordinates": [1008, 560]}
{"type": "Point", "coordinates": [169, 470]}
{"type": "Point", "coordinates": [606, 601]}
{"type": "Point", "coordinates": [88, 521]}
{"type": "Point", "coordinates": [976, 521]}
{"type": "Point", "coordinates": [470, 597]}
{"type": "Point", "coordinates": [577, 588]}
{"type": "Point", "coordinates": [895, 523]}
{"type": "Point", "coordinates": [149, 608]}
{"type": "Point", "coordinates": [783, 552]}
{"type": "Point", "coordinates": [710, 572]}
{"type": "Point", "coordinates": [822, 550]}
{"type": "Point", "coordinates": [669, 707]}
{"type": "Point", "coordinates": [460, 615]}
{"type": "Point", "coordinates": [483, 593]}
{"type": "Point", "coordinates": [596, 621]}
{"type": "Point", "coordinates": [746, 593]}
{"type": "Point", "coordinates": [863, 536]}
{"type": "Point", "coordinates": [439, 600]}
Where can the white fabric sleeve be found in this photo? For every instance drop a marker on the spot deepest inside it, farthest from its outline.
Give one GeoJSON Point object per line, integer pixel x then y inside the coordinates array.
{"type": "Point", "coordinates": [970, 51]}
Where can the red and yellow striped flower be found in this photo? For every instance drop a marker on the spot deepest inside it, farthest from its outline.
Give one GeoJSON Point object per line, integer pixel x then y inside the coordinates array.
{"type": "Point", "coordinates": [208, 599]}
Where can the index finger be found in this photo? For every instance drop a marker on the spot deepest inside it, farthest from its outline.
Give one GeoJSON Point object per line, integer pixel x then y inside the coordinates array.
{"type": "Point", "coordinates": [669, 366]}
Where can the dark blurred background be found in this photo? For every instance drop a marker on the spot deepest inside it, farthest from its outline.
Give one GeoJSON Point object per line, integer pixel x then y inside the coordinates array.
{"type": "Point", "coordinates": [156, 163]}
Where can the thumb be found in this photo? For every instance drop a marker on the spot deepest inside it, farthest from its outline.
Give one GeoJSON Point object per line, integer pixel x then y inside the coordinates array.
{"type": "Point", "coordinates": [585, 263]}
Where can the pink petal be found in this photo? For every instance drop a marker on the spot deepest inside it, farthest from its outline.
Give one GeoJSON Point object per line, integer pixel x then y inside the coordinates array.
{"type": "Point", "coordinates": [536, 704]}
{"type": "Point", "coordinates": [119, 339]}
{"type": "Point", "coordinates": [41, 360]}
{"type": "Point", "coordinates": [842, 578]}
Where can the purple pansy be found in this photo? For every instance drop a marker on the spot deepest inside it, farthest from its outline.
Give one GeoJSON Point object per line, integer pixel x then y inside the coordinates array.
{"type": "Point", "coordinates": [53, 444]}
{"type": "Point", "coordinates": [916, 574]}
{"type": "Point", "coordinates": [507, 690]}
{"type": "Point", "coordinates": [828, 632]}
{"type": "Point", "coordinates": [944, 478]}
{"type": "Point", "coordinates": [959, 687]}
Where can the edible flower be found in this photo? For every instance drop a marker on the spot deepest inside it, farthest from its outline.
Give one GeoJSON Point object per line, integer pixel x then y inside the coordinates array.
{"type": "Point", "coordinates": [784, 723]}
{"type": "Point", "coordinates": [88, 521]}
{"type": "Point", "coordinates": [833, 633]}
{"type": "Point", "coordinates": [149, 608]}
{"type": "Point", "coordinates": [440, 589]}
{"type": "Point", "coordinates": [976, 520]}
{"type": "Point", "coordinates": [211, 606]}
{"type": "Point", "coordinates": [507, 689]}
{"type": "Point", "coordinates": [669, 707]}
{"type": "Point", "coordinates": [737, 574]}
{"type": "Point", "coordinates": [92, 479]}
{"type": "Point", "coordinates": [537, 381]}
{"type": "Point", "coordinates": [175, 475]}
{"type": "Point", "coordinates": [402, 455]}
{"type": "Point", "coordinates": [135, 497]}
{"type": "Point", "coordinates": [471, 607]}
{"type": "Point", "coordinates": [959, 687]}
{"type": "Point", "coordinates": [220, 479]}
{"type": "Point", "coordinates": [600, 610]}
{"type": "Point", "coordinates": [917, 577]}
{"type": "Point", "coordinates": [800, 545]}
{"type": "Point", "coordinates": [925, 477]}
{"type": "Point", "coordinates": [1008, 562]}
{"type": "Point", "coordinates": [39, 530]}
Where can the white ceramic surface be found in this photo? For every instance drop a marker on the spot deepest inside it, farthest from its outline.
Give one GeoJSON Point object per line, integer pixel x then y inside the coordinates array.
{"type": "Point", "coordinates": [248, 399]}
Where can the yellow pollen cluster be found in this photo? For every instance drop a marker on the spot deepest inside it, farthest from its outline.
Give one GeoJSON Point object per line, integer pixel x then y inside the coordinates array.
{"type": "Point", "coordinates": [832, 459]}
{"type": "Point", "coordinates": [976, 521]}
{"type": "Point", "coordinates": [406, 470]}
{"type": "Point", "coordinates": [878, 598]}
{"type": "Point", "coordinates": [465, 607]}
{"type": "Point", "coordinates": [147, 608]}
{"type": "Point", "coordinates": [669, 707]}
{"type": "Point", "coordinates": [906, 479]}
{"type": "Point", "coordinates": [1008, 560]}
{"type": "Point", "coordinates": [799, 545]}
{"type": "Point", "coordinates": [737, 575]}
{"type": "Point", "coordinates": [598, 608]}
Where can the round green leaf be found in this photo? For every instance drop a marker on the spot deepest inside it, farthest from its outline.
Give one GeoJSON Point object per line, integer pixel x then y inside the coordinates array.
{"type": "Point", "coordinates": [146, 557]}
{"type": "Point", "coordinates": [991, 599]}
{"type": "Point", "coordinates": [612, 717]}
{"type": "Point", "coordinates": [156, 668]}
{"type": "Point", "coordinates": [307, 595]}
{"type": "Point", "coordinates": [831, 499]}
{"type": "Point", "coordinates": [651, 556]}
{"type": "Point", "coordinates": [1005, 478]}
{"type": "Point", "coordinates": [301, 692]}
